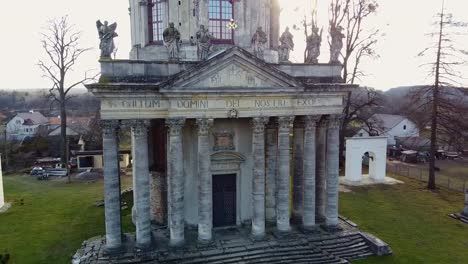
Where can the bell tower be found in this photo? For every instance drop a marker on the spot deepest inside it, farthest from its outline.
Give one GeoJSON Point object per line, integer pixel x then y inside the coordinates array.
{"type": "Point", "coordinates": [230, 22]}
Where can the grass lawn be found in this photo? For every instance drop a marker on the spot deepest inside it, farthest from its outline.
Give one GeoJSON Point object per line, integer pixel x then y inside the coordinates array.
{"type": "Point", "coordinates": [49, 220]}
{"type": "Point", "coordinates": [56, 217]}
{"type": "Point", "coordinates": [412, 220]}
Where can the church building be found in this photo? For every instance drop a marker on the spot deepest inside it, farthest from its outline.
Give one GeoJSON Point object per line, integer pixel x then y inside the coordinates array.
{"type": "Point", "coordinates": [226, 131]}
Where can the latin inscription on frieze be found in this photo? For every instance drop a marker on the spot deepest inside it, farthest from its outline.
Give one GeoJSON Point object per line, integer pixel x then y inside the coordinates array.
{"type": "Point", "coordinates": [270, 103]}
{"type": "Point", "coordinates": [193, 104]}
{"type": "Point", "coordinates": [135, 103]}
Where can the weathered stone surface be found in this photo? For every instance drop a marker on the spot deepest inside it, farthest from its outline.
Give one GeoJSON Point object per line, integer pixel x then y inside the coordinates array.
{"type": "Point", "coordinates": [111, 186]}
{"type": "Point", "coordinates": [333, 172]}
{"type": "Point", "coordinates": [258, 183]}
{"type": "Point", "coordinates": [271, 172]}
{"type": "Point", "coordinates": [298, 248]}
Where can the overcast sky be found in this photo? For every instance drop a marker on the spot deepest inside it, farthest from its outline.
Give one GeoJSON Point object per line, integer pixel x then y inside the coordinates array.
{"type": "Point", "coordinates": [404, 23]}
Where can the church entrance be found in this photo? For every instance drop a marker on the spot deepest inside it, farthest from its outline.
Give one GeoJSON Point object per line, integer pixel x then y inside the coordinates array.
{"type": "Point", "coordinates": [224, 200]}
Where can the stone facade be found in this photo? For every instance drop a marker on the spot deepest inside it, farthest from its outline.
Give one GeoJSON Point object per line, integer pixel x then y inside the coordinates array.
{"type": "Point", "coordinates": [232, 117]}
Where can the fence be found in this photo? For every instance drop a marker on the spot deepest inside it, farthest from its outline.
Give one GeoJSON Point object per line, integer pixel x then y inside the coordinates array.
{"type": "Point", "coordinates": [422, 175]}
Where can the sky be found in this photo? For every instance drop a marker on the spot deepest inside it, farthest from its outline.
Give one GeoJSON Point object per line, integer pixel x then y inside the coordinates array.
{"type": "Point", "coordinates": [404, 24]}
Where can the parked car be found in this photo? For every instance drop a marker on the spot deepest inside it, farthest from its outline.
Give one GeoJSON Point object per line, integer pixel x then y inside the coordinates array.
{"type": "Point", "coordinates": [36, 171]}
{"type": "Point", "coordinates": [56, 172]}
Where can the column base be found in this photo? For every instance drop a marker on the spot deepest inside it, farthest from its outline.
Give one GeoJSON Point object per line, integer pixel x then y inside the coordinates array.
{"type": "Point", "coordinates": [144, 248]}
{"type": "Point", "coordinates": [113, 251]}
{"type": "Point", "coordinates": [281, 234]}
{"type": "Point", "coordinates": [176, 243]}
{"type": "Point", "coordinates": [257, 237]}
{"type": "Point", "coordinates": [315, 229]}
{"type": "Point", "coordinates": [333, 228]}
{"type": "Point", "coordinates": [205, 242]}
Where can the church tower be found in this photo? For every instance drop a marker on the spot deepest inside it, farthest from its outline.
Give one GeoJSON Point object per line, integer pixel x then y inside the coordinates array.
{"type": "Point", "coordinates": [150, 18]}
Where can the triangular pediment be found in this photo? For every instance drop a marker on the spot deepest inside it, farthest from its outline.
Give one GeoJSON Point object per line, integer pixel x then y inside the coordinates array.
{"type": "Point", "coordinates": [233, 69]}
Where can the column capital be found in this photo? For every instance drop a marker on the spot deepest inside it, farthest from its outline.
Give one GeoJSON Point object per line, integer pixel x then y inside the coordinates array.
{"type": "Point", "coordinates": [175, 125]}
{"type": "Point", "coordinates": [334, 121]}
{"type": "Point", "coordinates": [109, 127]}
{"type": "Point", "coordinates": [311, 121]}
{"type": "Point", "coordinates": [259, 123]}
{"type": "Point", "coordinates": [204, 125]}
{"type": "Point", "coordinates": [139, 127]}
{"type": "Point", "coordinates": [285, 123]}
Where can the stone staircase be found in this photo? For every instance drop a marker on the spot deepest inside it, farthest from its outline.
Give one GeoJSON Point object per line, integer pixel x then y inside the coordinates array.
{"type": "Point", "coordinates": [339, 248]}
{"type": "Point", "coordinates": [236, 247]}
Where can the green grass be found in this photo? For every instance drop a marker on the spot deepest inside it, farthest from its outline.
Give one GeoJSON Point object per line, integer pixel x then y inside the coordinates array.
{"type": "Point", "coordinates": [57, 217]}
{"type": "Point", "coordinates": [412, 220]}
{"type": "Point", "coordinates": [49, 220]}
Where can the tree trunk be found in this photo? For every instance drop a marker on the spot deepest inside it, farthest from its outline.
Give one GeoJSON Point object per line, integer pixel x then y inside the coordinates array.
{"type": "Point", "coordinates": [63, 135]}
{"type": "Point", "coordinates": [431, 184]}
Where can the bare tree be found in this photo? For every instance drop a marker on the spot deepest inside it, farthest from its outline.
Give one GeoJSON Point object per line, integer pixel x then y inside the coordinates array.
{"type": "Point", "coordinates": [444, 105]}
{"type": "Point", "coordinates": [60, 42]}
{"type": "Point", "coordinates": [353, 16]}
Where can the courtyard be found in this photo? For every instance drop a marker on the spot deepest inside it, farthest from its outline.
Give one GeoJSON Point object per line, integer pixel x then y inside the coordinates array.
{"type": "Point", "coordinates": [49, 220]}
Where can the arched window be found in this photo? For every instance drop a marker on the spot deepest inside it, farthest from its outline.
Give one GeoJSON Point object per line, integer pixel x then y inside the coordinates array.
{"type": "Point", "coordinates": [220, 12]}
{"type": "Point", "coordinates": [156, 14]}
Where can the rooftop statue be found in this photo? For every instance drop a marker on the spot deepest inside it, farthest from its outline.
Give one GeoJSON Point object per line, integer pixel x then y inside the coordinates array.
{"type": "Point", "coordinates": [336, 45]}
{"type": "Point", "coordinates": [259, 41]}
{"type": "Point", "coordinates": [286, 45]}
{"type": "Point", "coordinates": [106, 35]}
{"type": "Point", "coordinates": [203, 43]}
{"type": "Point", "coordinates": [171, 38]}
{"type": "Point", "coordinates": [314, 42]}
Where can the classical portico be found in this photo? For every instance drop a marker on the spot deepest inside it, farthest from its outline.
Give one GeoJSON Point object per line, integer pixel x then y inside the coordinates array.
{"type": "Point", "coordinates": [233, 117]}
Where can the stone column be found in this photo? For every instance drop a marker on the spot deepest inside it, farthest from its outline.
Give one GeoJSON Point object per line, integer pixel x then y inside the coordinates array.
{"type": "Point", "coordinates": [205, 196]}
{"type": "Point", "coordinates": [111, 185]}
{"type": "Point", "coordinates": [258, 176]}
{"type": "Point", "coordinates": [333, 168]}
{"type": "Point", "coordinates": [141, 183]}
{"type": "Point", "coordinates": [284, 169]}
{"type": "Point", "coordinates": [298, 173]}
{"type": "Point", "coordinates": [321, 183]}
{"type": "Point", "coordinates": [176, 181]}
{"type": "Point", "coordinates": [308, 214]}
{"type": "Point", "coordinates": [271, 165]}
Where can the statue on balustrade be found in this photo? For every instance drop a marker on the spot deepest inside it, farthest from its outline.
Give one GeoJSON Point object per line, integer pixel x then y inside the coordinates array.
{"type": "Point", "coordinates": [106, 35]}
{"type": "Point", "coordinates": [314, 42]}
{"type": "Point", "coordinates": [203, 43]}
{"type": "Point", "coordinates": [171, 37]}
{"type": "Point", "coordinates": [336, 45]}
{"type": "Point", "coordinates": [286, 45]}
{"type": "Point", "coordinates": [259, 41]}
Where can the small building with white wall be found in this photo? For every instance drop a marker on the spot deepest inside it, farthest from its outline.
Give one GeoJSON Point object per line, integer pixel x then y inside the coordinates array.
{"type": "Point", "coordinates": [356, 148]}
{"type": "Point", "coordinates": [25, 125]}
{"type": "Point", "coordinates": [390, 126]}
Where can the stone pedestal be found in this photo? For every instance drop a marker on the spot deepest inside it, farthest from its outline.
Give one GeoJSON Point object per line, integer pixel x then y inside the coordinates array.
{"type": "Point", "coordinates": [258, 176]}
{"type": "Point", "coordinates": [283, 182]}
{"type": "Point", "coordinates": [205, 185]}
{"type": "Point", "coordinates": [111, 186]}
{"type": "Point", "coordinates": [176, 180]}
{"type": "Point", "coordinates": [141, 183]}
